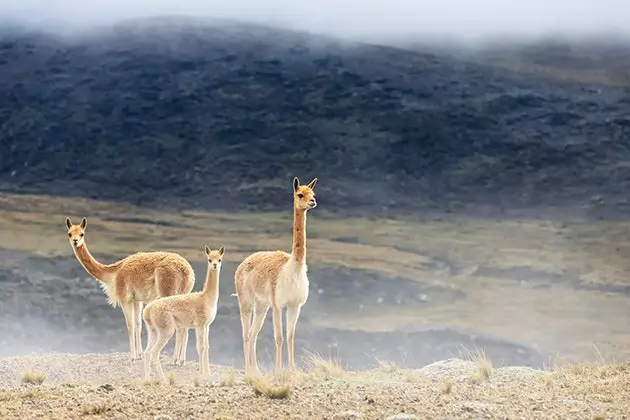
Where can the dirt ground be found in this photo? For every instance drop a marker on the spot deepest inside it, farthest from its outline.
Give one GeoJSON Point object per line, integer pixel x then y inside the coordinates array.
{"type": "Point", "coordinates": [110, 386]}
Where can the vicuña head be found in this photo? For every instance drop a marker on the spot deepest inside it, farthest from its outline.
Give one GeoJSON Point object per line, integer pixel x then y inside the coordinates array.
{"type": "Point", "coordinates": [304, 195]}
{"type": "Point", "coordinates": [214, 257]}
{"type": "Point", "coordinates": [76, 233]}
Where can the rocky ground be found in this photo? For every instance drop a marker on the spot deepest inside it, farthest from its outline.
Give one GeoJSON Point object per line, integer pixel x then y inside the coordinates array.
{"type": "Point", "coordinates": [109, 386]}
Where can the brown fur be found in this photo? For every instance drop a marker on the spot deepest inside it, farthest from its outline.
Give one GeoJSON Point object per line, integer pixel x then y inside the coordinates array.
{"type": "Point", "coordinates": [195, 310]}
{"type": "Point", "coordinates": [138, 278]}
{"type": "Point", "coordinates": [278, 280]}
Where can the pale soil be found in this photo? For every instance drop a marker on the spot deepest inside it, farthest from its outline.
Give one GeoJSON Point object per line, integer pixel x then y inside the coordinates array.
{"type": "Point", "coordinates": [109, 386]}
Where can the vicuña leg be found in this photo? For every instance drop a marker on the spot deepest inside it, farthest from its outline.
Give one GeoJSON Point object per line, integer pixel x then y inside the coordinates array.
{"type": "Point", "coordinates": [178, 347]}
{"type": "Point", "coordinates": [293, 313]}
{"type": "Point", "coordinates": [160, 341]}
{"type": "Point", "coordinates": [246, 315]}
{"type": "Point", "coordinates": [208, 348]}
{"type": "Point", "coordinates": [129, 313]}
{"type": "Point", "coordinates": [183, 347]}
{"type": "Point", "coordinates": [202, 346]}
{"type": "Point", "coordinates": [138, 328]}
{"type": "Point", "coordinates": [260, 313]}
{"type": "Point", "coordinates": [151, 336]}
{"type": "Point", "coordinates": [277, 335]}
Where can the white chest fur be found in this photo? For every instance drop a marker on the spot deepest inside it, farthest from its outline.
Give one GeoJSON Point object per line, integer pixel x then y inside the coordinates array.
{"type": "Point", "coordinates": [292, 285]}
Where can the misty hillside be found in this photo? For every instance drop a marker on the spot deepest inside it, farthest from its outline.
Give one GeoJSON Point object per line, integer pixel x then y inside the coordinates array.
{"type": "Point", "coordinates": [223, 115]}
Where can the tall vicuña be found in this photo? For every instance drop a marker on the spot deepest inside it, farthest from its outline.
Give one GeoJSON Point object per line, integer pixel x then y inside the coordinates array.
{"type": "Point", "coordinates": [276, 279]}
{"type": "Point", "coordinates": [137, 278]}
{"type": "Point", "coordinates": [195, 310]}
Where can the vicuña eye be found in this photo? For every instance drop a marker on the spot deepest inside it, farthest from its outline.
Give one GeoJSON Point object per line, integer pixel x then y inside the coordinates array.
{"type": "Point", "coordinates": [301, 195]}
{"type": "Point", "coordinates": [69, 235]}
{"type": "Point", "coordinates": [83, 234]}
{"type": "Point", "coordinates": [219, 260]}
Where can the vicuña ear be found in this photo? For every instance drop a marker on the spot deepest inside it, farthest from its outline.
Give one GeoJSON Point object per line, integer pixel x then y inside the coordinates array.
{"type": "Point", "coordinates": [83, 223]}
{"type": "Point", "coordinates": [311, 185]}
{"type": "Point", "coordinates": [68, 222]}
{"type": "Point", "coordinates": [207, 250]}
{"type": "Point", "coordinates": [221, 250]}
{"type": "Point", "coordinates": [296, 183]}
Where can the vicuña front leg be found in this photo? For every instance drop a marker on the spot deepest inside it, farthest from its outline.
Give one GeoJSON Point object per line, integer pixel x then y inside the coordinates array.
{"type": "Point", "coordinates": [277, 334]}
{"type": "Point", "coordinates": [129, 313]}
{"type": "Point", "coordinates": [293, 313]}
{"type": "Point", "coordinates": [202, 346]}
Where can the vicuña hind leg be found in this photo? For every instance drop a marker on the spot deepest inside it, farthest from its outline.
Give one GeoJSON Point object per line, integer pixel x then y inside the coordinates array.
{"type": "Point", "coordinates": [260, 312]}
{"type": "Point", "coordinates": [151, 336]}
{"type": "Point", "coordinates": [128, 311]}
{"type": "Point", "coordinates": [160, 342]}
{"type": "Point", "coordinates": [246, 315]}
{"type": "Point", "coordinates": [277, 335]}
{"type": "Point", "coordinates": [138, 328]}
{"type": "Point", "coordinates": [293, 313]}
{"type": "Point", "coordinates": [181, 337]}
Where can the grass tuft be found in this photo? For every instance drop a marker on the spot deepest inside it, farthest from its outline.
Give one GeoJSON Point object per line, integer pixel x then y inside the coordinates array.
{"type": "Point", "coordinates": [34, 377]}
{"type": "Point", "coordinates": [446, 387]}
{"type": "Point", "coordinates": [229, 379]}
{"type": "Point", "coordinates": [326, 367]}
{"type": "Point", "coordinates": [387, 367]}
{"type": "Point", "coordinates": [264, 386]}
{"type": "Point", "coordinates": [171, 379]}
{"type": "Point", "coordinates": [95, 409]}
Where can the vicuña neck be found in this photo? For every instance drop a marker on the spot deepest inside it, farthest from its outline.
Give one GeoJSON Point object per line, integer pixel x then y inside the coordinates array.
{"type": "Point", "coordinates": [299, 236]}
{"type": "Point", "coordinates": [211, 286]}
{"type": "Point", "coordinates": [97, 270]}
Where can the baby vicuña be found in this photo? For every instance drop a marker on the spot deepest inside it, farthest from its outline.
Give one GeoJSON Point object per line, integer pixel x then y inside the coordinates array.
{"type": "Point", "coordinates": [195, 310]}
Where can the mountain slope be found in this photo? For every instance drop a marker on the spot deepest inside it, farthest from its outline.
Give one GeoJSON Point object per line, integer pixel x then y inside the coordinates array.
{"type": "Point", "coordinates": [223, 115]}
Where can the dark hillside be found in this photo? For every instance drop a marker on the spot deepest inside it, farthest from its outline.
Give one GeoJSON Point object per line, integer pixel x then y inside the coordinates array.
{"type": "Point", "coordinates": [222, 116]}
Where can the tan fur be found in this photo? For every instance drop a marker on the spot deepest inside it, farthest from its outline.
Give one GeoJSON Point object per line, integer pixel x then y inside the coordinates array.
{"type": "Point", "coordinates": [138, 278]}
{"type": "Point", "coordinates": [278, 280]}
{"type": "Point", "coordinates": [195, 310]}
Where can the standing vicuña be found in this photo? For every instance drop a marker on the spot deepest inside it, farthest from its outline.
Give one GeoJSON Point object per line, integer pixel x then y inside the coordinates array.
{"type": "Point", "coordinates": [137, 278]}
{"type": "Point", "coordinates": [276, 279]}
{"type": "Point", "coordinates": [195, 310]}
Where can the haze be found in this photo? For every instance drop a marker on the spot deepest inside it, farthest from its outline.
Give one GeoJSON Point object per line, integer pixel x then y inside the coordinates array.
{"type": "Point", "coordinates": [367, 20]}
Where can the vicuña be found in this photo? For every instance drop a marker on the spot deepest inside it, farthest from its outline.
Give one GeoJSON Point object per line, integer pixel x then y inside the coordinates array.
{"type": "Point", "coordinates": [195, 310]}
{"type": "Point", "coordinates": [278, 280]}
{"type": "Point", "coordinates": [137, 278]}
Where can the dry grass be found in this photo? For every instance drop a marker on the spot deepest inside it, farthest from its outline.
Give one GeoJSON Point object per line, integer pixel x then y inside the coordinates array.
{"type": "Point", "coordinates": [172, 381]}
{"type": "Point", "coordinates": [264, 385]}
{"type": "Point", "coordinates": [34, 377]}
{"type": "Point", "coordinates": [229, 379]}
{"type": "Point", "coordinates": [593, 389]}
{"type": "Point", "coordinates": [95, 409]}
{"type": "Point", "coordinates": [446, 386]}
{"type": "Point", "coordinates": [387, 367]}
{"type": "Point", "coordinates": [326, 368]}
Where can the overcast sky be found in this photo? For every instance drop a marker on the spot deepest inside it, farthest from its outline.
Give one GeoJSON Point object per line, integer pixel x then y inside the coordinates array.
{"type": "Point", "coordinates": [359, 19]}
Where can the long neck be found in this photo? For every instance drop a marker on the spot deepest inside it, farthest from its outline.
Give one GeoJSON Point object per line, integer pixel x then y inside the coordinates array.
{"type": "Point", "coordinates": [97, 270]}
{"type": "Point", "coordinates": [299, 235]}
{"type": "Point", "coordinates": [211, 286]}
